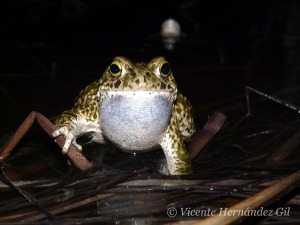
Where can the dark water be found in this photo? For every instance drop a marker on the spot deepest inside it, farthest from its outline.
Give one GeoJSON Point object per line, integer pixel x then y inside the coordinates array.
{"type": "Point", "coordinates": [50, 51]}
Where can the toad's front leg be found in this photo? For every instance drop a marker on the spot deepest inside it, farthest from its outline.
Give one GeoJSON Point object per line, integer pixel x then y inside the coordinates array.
{"type": "Point", "coordinates": [67, 125]}
{"type": "Point", "coordinates": [76, 157]}
{"type": "Point", "coordinates": [178, 161]}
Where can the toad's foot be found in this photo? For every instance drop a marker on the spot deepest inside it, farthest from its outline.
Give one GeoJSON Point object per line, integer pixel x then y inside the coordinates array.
{"type": "Point", "coordinates": [70, 139]}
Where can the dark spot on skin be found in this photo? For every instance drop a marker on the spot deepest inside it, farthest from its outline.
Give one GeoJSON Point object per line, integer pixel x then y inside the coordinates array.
{"type": "Point", "coordinates": [117, 83]}
{"type": "Point", "coordinates": [179, 110]}
{"type": "Point", "coordinates": [163, 86]}
{"type": "Point", "coordinates": [137, 81]}
{"type": "Point", "coordinates": [148, 74]}
{"type": "Point", "coordinates": [133, 74]}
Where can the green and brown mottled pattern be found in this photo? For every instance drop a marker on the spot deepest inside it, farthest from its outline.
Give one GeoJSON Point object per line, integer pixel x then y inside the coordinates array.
{"type": "Point", "coordinates": [178, 161]}
{"type": "Point", "coordinates": [86, 106]}
{"type": "Point", "coordinates": [88, 95]}
{"type": "Point", "coordinates": [137, 76]}
{"type": "Point", "coordinates": [185, 119]}
{"type": "Point", "coordinates": [88, 102]}
{"type": "Point", "coordinates": [67, 119]}
{"type": "Point", "coordinates": [84, 116]}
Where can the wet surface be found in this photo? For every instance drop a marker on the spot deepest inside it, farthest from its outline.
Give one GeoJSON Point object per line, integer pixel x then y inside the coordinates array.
{"type": "Point", "coordinates": [48, 56]}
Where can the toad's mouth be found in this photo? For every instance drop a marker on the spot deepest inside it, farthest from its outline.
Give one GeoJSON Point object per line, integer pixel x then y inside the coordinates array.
{"type": "Point", "coordinates": [135, 120]}
{"type": "Point", "coordinates": [139, 93]}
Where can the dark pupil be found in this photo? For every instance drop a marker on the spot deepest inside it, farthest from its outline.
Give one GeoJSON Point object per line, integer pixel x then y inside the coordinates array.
{"type": "Point", "coordinates": [165, 69]}
{"type": "Point", "coordinates": [114, 68]}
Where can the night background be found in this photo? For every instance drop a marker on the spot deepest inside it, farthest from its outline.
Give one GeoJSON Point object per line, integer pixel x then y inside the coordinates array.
{"type": "Point", "coordinates": [51, 50]}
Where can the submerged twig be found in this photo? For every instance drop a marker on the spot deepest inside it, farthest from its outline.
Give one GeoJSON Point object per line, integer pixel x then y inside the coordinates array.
{"type": "Point", "coordinates": [83, 200]}
{"type": "Point", "coordinates": [213, 125]}
{"type": "Point", "coordinates": [31, 199]}
{"type": "Point", "coordinates": [270, 97]}
{"type": "Point", "coordinates": [255, 201]}
{"type": "Point", "coordinates": [284, 150]}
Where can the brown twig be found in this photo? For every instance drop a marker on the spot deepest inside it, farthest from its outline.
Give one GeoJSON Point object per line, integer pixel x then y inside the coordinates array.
{"type": "Point", "coordinates": [95, 196]}
{"type": "Point", "coordinates": [200, 139]}
{"type": "Point", "coordinates": [31, 199]}
{"type": "Point", "coordinates": [75, 156]}
{"type": "Point", "coordinates": [255, 201]}
{"type": "Point", "coordinates": [284, 150]}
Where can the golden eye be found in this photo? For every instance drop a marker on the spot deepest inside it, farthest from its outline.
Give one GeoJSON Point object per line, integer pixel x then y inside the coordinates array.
{"type": "Point", "coordinates": [115, 69]}
{"type": "Point", "coordinates": [165, 69]}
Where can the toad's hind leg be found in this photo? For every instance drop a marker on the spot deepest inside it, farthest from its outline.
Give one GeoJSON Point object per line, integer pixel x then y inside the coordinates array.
{"type": "Point", "coordinates": [76, 157]}
{"type": "Point", "coordinates": [178, 161]}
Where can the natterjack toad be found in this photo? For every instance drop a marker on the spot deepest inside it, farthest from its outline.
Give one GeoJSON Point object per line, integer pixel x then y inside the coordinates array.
{"type": "Point", "coordinates": [137, 107]}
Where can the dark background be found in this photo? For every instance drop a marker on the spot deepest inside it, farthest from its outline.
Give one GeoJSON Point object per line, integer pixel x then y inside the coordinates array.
{"type": "Point", "coordinates": [50, 50]}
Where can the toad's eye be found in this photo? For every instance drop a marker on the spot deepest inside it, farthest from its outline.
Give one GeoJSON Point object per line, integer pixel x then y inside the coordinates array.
{"type": "Point", "coordinates": [165, 69]}
{"type": "Point", "coordinates": [115, 69]}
